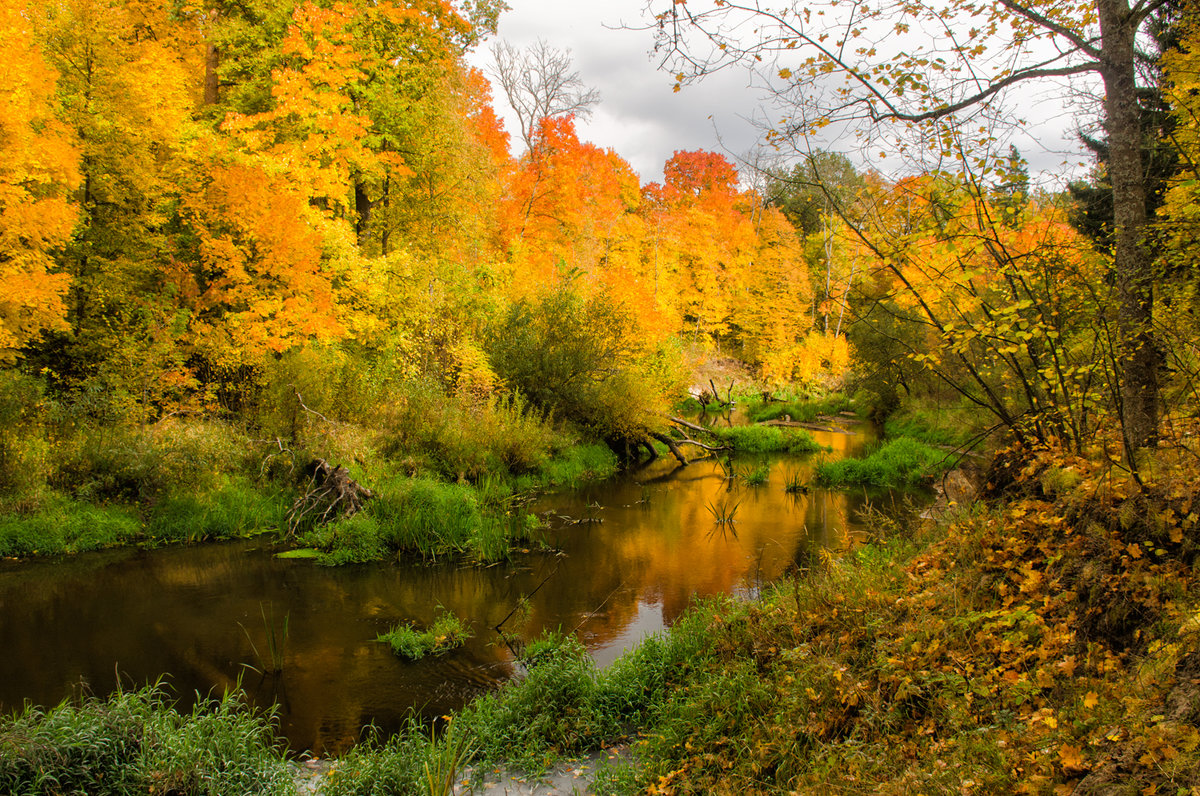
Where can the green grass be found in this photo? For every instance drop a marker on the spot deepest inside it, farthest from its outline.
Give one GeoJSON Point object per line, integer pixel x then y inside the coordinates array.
{"type": "Point", "coordinates": [428, 518]}
{"type": "Point", "coordinates": [234, 508]}
{"type": "Point", "coordinates": [691, 406]}
{"type": "Point", "coordinates": [755, 476]}
{"type": "Point", "coordinates": [377, 766]}
{"type": "Point", "coordinates": [767, 439]}
{"type": "Point", "coordinates": [447, 633]}
{"type": "Point", "coordinates": [135, 743]}
{"type": "Point", "coordinates": [895, 463]}
{"type": "Point", "coordinates": [801, 410]}
{"type": "Point", "coordinates": [64, 525]}
{"type": "Point", "coordinates": [953, 427]}
{"type": "Point", "coordinates": [570, 467]}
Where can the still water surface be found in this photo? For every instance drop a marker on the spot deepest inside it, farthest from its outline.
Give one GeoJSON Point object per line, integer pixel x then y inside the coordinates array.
{"type": "Point", "coordinates": [646, 548]}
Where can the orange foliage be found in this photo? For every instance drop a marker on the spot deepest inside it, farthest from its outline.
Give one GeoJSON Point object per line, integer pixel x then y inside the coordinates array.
{"type": "Point", "coordinates": [38, 167]}
{"type": "Point", "coordinates": [570, 206]}
{"type": "Point", "coordinates": [260, 285]}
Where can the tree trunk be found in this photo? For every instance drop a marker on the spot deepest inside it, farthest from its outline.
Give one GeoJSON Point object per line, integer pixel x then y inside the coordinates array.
{"type": "Point", "coordinates": [212, 81]}
{"type": "Point", "coordinates": [1137, 352]}
{"type": "Point", "coordinates": [362, 212]}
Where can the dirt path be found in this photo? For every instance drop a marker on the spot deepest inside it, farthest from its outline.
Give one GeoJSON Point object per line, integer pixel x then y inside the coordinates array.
{"type": "Point", "coordinates": [568, 778]}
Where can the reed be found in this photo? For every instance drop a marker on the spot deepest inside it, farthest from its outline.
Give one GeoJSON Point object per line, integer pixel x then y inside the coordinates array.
{"type": "Point", "coordinates": [276, 642]}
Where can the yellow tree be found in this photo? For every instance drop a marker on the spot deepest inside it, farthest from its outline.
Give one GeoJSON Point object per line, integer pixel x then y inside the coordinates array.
{"type": "Point", "coordinates": [703, 241]}
{"type": "Point", "coordinates": [128, 80]}
{"type": "Point", "coordinates": [38, 172]}
{"type": "Point", "coordinates": [570, 206]}
{"type": "Point", "coordinates": [1005, 308]}
{"type": "Point", "coordinates": [876, 66]}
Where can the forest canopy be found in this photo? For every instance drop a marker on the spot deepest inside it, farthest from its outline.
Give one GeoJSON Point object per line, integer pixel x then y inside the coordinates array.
{"type": "Point", "coordinates": [193, 195]}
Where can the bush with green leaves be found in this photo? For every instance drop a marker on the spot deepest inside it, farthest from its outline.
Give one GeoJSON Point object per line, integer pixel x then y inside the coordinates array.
{"type": "Point", "coordinates": [579, 359]}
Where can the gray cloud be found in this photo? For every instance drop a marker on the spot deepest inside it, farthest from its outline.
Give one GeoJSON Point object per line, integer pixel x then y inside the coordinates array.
{"type": "Point", "coordinates": [644, 121]}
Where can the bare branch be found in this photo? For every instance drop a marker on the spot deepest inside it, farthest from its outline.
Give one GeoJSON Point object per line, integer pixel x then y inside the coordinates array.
{"type": "Point", "coordinates": [540, 84]}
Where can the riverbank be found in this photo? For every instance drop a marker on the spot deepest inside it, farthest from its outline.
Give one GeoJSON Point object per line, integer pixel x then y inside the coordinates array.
{"type": "Point", "coordinates": [1042, 638]}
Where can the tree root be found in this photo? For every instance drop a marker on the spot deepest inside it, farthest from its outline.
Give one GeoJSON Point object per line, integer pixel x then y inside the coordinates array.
{"type": "Point", "coordinates": [330, 494]}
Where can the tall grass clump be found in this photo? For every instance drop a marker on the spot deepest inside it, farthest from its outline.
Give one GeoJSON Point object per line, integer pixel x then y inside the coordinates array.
{"type": "Point", "coordinates": [896, 463]}
{"type": "Point", "coordinates": [136, 743]}
{"type": "Point", "coordinates": [803, 410]}
{"type": "Point", "coordinates": [767, 439]}
{"type": "Point", "coordinates": [428, 518]}
{"type": "Point", "coordinates": [376, 766]}
{"type": "Point", "coordinates": [448, 632]}
{"type": "Point", "coordinates": [570, 467]}
{"type": "Point", "coordinates": [235, 507]}
{"type": "Point", "coordinates": [548, 713]}
{"type": "Point", "coordinates": [60, 525]}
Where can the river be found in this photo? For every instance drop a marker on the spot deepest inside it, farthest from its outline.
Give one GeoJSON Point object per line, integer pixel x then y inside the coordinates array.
{"type": "Point", "coordinates": [621, 559]}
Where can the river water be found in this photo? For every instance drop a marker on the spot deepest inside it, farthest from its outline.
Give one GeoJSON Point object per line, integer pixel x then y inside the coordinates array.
{"type": "Point", "coordinates": [622, 559]}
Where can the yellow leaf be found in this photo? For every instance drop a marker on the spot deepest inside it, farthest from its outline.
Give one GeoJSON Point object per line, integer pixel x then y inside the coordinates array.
{"type": "Point", "coordinates": [1090, 700]}
{"type": "Point", "coordinates": [1071, 758]}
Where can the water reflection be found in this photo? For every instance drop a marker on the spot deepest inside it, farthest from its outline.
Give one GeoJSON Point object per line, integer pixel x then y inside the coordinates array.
{"type": "Point", "coordinates": [195, 615]}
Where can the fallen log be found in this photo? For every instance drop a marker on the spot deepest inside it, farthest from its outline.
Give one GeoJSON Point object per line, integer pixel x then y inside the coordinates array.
{"type": "Point", "coordinates": [802, 424]}
{"type": "Point", "coordinates": [681, 422]}
{"type": "Point", "coordinates": [672, 446]}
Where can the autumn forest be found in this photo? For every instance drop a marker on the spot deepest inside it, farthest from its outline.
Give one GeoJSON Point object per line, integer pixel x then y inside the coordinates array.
{"type": "Point", "coordinates": [277, 265]}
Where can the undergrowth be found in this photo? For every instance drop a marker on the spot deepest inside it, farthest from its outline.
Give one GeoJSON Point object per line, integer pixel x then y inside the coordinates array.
{"type": "Point", "coordinates": [767, 439]}
{"type": "Point", "coordinates": [135, 743]}
{"type": "Point", "coordinates": [895, 463]}
{"type": "Point", "coordinates": [1045, 644]}
{"type": "Point", "coordinates": [803, 410]}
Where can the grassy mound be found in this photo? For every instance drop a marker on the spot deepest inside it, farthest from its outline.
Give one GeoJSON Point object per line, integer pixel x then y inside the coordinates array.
{"type": "Point", "coordinates": [767, 439]}
{"type": "Point", "coordinates": [896, 463]}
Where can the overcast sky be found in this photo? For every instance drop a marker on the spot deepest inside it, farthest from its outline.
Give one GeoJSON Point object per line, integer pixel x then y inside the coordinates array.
{"type": "Point", "coordinates": [644, 121]}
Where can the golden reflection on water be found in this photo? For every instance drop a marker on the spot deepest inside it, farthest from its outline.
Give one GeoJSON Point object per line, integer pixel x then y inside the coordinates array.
{"type": "Point", "coordinates": [197, 614]}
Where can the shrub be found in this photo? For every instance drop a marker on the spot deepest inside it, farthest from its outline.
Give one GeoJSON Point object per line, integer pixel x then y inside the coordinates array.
{"type": "Point", "coordinates": [578, 358]}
